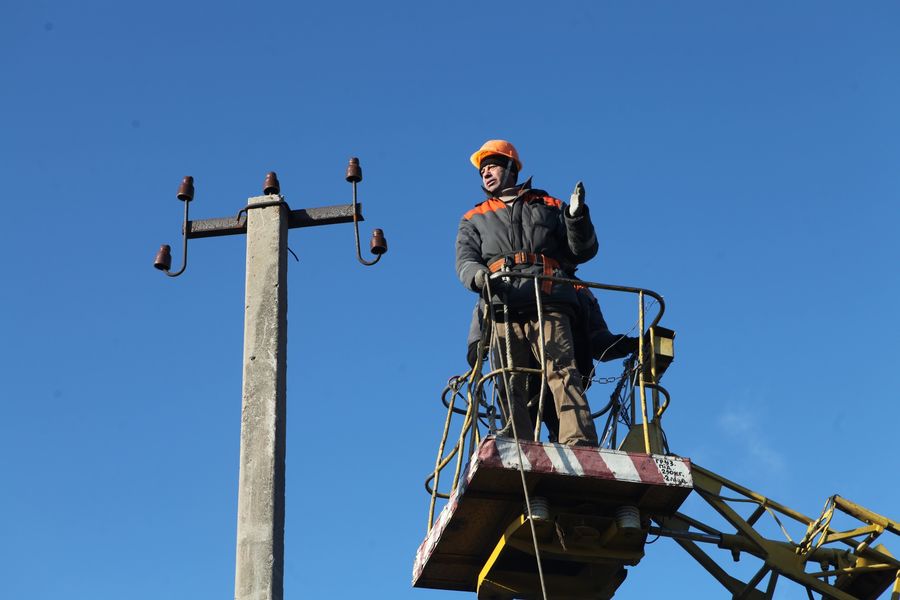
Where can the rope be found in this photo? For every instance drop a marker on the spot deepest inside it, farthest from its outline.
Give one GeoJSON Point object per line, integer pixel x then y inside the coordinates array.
{"type": "Point", "coordinates": [512, 425]}
{"type": "Point", "coordinates": [540, 318]}
{"type": "Point", "coordinates": [819, 527]}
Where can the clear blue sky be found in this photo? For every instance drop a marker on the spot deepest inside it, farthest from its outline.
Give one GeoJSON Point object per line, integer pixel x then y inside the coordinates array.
{"type": "Point", "coordinates": [739, 158]}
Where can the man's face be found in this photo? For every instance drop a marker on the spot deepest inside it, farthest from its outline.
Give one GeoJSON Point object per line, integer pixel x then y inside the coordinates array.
{"type": "Point", "coordinates": [492, 177]}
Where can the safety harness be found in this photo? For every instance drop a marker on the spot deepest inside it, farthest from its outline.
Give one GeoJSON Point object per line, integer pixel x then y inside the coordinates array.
{"type": "Point", "coordinates": [527, 258]}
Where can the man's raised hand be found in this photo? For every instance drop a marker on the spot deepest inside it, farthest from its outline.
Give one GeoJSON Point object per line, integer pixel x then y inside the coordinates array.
{"type": "Point", "coordinates": [576, 201]}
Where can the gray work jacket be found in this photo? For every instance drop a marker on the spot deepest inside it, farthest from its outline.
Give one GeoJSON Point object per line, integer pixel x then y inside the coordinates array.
{"type": "Point", "coordinates": [532, 222]}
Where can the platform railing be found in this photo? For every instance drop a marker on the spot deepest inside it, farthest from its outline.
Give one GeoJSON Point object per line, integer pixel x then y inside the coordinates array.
{"type": "Point", "coordinates": [645, 339]}
{"type": "Point", "coordinates": [466, 394]}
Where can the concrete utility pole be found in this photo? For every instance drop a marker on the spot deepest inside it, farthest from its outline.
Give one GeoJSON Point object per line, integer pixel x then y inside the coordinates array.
{"type": "Point", "coordinates": [259, 569]}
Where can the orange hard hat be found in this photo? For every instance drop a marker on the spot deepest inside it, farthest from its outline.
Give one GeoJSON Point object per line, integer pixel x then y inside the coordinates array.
{"type": "Point", "coordinates": [501, 147]}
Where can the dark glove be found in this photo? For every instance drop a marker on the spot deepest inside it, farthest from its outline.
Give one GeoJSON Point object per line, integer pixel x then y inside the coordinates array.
{"type": "Point", "coordinates": [629, 344]}
{"type": "Point", "coordinates": [611, 346]}
{"type": "Point", "coordinates": [472, 354]}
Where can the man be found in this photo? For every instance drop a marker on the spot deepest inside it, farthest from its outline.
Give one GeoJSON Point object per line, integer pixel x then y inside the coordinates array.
{"type": "Point", "coordinates": [525, 230]}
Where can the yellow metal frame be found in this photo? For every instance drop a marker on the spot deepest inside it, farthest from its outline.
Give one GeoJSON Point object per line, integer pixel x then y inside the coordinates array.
{"type": "Point", "coordinates": [493, 583]}
{"type": "Point", "coordinates": [835, 572]}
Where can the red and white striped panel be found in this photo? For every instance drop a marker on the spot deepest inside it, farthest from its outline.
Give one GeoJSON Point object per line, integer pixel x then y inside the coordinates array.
{"type": "Point", "coordinates": [578, 461]}
{"type": "Point", "coordinates": [581, 461]}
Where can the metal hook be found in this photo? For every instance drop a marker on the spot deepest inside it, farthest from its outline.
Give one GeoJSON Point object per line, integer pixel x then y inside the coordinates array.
{"type": "Point", "coordinates": [377, 245]}
{"type": "Point", "coordinates": [163, 260]}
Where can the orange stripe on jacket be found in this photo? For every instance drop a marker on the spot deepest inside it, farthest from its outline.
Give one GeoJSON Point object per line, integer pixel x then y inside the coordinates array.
{"type": "Point", "coordinates": [549, 201]}
{"type": "Point", "coordinates": [492, 205]}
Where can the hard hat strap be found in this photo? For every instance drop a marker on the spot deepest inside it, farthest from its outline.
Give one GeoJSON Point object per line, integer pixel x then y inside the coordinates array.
{"type": "Point", "coordinates": [506, 171]}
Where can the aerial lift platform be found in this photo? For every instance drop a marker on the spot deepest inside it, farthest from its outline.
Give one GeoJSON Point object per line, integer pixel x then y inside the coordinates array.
{"type": "Point", "coordinates": [538, 520]}
{"type": "Point", "coordinates": [585, 504]}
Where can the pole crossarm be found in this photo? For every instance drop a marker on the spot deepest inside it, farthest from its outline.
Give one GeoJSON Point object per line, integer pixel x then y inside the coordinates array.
{"type": "Point", "coordinates": [303, 217]}
{"type": "Point", "coordinates": [855, 570]}
{"type": "Point", "coordinates": [265, 221]}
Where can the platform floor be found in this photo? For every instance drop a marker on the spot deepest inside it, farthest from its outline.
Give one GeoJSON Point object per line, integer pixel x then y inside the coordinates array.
{"type": "Point", "coordinates": [575, 480]}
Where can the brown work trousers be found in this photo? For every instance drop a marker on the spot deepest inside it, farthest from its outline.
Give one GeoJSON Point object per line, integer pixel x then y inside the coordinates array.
{"type": "Point", "coordinates": [563, 378]}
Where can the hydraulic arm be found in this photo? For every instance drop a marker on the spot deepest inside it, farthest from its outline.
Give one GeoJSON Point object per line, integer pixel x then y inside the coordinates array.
{"type": "Point", "coordinates": [840, 562]}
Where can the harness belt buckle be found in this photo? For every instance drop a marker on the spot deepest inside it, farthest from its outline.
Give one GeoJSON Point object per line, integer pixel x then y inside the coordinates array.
{"type": "Point", "coordinates": [508, 263]}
